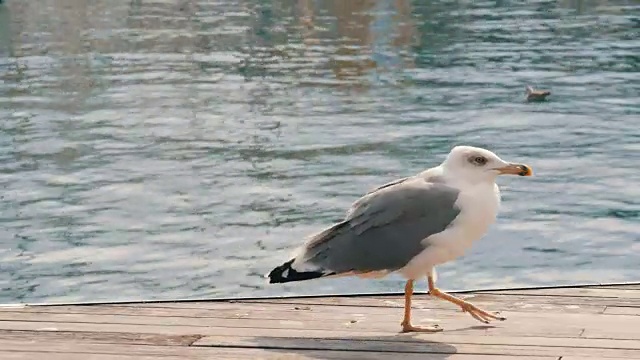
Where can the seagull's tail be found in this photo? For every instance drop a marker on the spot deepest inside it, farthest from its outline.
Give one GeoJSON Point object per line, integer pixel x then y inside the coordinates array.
{"type": "Point", "coordinates": [286, 273]}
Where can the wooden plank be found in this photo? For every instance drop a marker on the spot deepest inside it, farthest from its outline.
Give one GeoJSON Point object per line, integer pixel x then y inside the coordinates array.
{"type": "Point", "coordinates": [224, 310]}
{"type": "Point", "coordinates": [131, 338]}
{"type": "Point", "coordinates": [299, 331]}
{"type": "Point", "coordinates": [309, 320]}
{"type": "Point", "coordinates": [258, 312]}
{"type": "Point", "coordinates": [571, 357]}
{"type": "Point", "coordinates": [233, 309]}
{"type": "Point", "coordinates": [425, 346]}
{"type": "Point", "coordinates": [418, 304]}
{"type": "Point", "coordinates": [574, 292]}
{"type": "Point", "coordinates": [312, 321]}
{"type": "Point", "coordinates": [496, 302]}
{"type": "Point", "coordinates": [612, 333]}
{"type": "Point", "coordinates": [618, 286]}
{"type": "Point", "coordinates": [522, 323]}
{"type": "Point", "coordinates": [50, 348]}
{"type": "Point", "coordinates": [43, 345]}
{"type": "Point", "coordinates": [493, 300]}
{"type": "Point", "coordinates": [619, 310]}
{"type": "Point", "coordinates": [264, 314]}
{"type": "Point", "coordinates": [32, 355]}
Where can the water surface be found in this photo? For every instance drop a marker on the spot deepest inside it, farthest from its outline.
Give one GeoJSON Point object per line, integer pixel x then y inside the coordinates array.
{"type": "Point", "coordinates": [181, 149]}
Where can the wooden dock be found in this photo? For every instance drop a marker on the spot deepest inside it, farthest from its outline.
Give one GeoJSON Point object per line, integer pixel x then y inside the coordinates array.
{"type": "Point", "coordinates": [590, 322]}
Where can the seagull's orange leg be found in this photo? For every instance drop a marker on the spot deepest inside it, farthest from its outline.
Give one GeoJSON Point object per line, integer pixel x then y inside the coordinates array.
{"type": "Point", "coordinates": [406, 323]}
{"type": "Point", "coordinates": [474, 311]}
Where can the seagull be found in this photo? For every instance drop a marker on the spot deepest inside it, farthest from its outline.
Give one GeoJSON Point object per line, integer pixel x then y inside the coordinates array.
{"type": "Point", "coordinates": [536, 95]}
{"type": "Point", "coordinates": [409, 226]}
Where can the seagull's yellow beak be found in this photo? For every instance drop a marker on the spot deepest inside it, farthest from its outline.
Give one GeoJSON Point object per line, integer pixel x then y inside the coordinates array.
{"type": "Point", "coordinates": [515, 169]}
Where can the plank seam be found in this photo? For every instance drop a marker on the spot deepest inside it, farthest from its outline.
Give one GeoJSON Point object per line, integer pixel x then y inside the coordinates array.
{"type": "Point", "coordinates": [418, 342]}
{"type": "Point", "coordinates": [196, 338]}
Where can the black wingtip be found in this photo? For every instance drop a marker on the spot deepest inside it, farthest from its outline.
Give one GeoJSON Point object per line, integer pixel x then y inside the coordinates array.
{"type": "Point", "coordinates": [285, 273]}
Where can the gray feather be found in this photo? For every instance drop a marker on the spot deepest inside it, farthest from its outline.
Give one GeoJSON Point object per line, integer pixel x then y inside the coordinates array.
{"type": "Point", "coordinates": [385, 228]}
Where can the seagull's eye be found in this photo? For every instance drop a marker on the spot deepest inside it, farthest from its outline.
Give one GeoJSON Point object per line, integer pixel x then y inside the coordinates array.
{"type": "Point", "coordinates": [480, 160]}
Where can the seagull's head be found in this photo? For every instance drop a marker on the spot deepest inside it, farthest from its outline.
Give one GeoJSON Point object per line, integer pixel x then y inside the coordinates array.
{"type": "Point", "coordinates": [480, 165]}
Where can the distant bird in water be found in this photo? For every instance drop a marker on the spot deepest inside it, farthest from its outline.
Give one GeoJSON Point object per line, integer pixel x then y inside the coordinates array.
{"type": "Point", "coordinates": [536, 95]}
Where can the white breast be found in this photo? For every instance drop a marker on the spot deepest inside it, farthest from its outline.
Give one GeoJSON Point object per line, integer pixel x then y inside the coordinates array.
{"type": "Point", "coordinates": [479, 207]}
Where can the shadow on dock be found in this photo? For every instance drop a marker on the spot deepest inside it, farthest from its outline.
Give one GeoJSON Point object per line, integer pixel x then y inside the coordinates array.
{"type": "Point", "coordinates": [320, 348]}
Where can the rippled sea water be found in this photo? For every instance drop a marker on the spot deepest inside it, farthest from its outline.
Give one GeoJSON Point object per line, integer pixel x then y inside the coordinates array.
{"type": "Point", "coordinates": [181, 149]}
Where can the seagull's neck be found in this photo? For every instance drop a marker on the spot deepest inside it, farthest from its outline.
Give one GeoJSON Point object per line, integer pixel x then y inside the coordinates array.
{"type": "Point", "coordinates": [480, 203]}
{"type": "Point", "coordinates": [442, 174]}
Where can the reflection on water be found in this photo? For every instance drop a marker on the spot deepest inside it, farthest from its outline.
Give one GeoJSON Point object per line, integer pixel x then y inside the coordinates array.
{"type": "Point", "coordinates": [168, 148]}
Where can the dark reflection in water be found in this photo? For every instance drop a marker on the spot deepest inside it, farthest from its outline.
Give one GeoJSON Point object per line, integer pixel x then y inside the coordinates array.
{"type": "Point", "coordinates": [168, 148]}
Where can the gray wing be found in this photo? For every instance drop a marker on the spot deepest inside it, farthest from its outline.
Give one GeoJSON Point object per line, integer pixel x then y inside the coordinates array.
{"type": "Point", "coordinates": [357, 203]}
{"type": "Point", "coordinates": [385, 228]}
